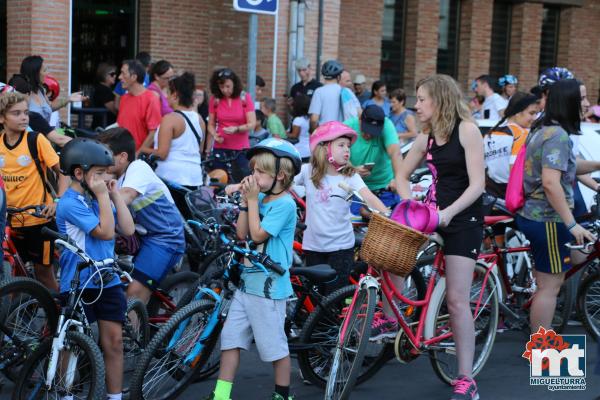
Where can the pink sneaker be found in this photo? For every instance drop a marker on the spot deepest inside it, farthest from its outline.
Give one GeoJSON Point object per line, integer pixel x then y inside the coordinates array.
{"type": "Point", "coordinates": [465, 388]}
{"type": "Point", "coordinates": [383, 328]}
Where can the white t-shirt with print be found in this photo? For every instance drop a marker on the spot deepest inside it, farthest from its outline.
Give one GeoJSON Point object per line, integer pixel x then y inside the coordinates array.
{"type": "Point", "coordinates": [494, 103]}
{"type": "Point", "coordinates": [328, 223]}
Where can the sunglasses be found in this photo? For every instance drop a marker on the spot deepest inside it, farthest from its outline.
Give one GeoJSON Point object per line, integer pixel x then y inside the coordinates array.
{"type": "Point", "coordinates": [225, 73]}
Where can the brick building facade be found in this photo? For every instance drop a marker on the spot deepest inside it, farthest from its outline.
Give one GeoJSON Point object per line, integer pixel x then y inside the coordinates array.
{"type": "Point", "coordinates": [198, 35]}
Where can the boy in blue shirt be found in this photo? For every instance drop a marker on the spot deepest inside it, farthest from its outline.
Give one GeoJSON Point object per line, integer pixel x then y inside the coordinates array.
{"type": "Point", "coordinates": [153, 208]}
{"type": "Point", "coordinates": [267, 216]}
{"type": "Point", "coordinates": [85, 213]}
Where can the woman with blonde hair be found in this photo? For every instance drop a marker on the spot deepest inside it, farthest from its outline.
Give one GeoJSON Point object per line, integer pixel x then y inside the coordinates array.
{"type": "Point", "coordinates": [453, 148]}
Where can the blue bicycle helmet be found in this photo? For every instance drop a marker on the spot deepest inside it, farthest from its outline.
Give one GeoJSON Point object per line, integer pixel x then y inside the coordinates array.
{"type": "Point", "coordinates": [552, 75]}
{"type": "Point", "coordinates": [279, 148]}
{"type": "Point", "coordinates": [507, 80]}
{"type": "Point", "coordinates": [331, 69]}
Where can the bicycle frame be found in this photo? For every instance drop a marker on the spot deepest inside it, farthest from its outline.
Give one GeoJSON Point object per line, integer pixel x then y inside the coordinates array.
{"type": "Point", "coordinates": [12, 255]}
{"type": "Point", "coordinates": [382, 280]}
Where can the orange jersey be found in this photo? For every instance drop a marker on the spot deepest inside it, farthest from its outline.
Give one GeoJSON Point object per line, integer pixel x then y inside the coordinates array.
{"type": "Point", "coordinates": [23, 184]}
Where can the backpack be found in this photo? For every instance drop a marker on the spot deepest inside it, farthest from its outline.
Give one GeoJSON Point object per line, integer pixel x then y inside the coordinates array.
{"type": "Point", "coordinates": [515, 194]}
{"type": "Point", "coordinates": [33, 151]}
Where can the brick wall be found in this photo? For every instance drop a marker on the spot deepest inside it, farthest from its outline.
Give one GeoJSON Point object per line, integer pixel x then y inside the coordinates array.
{"type": "Point", "coordinates": [474, 39]}
{"type": "Point", "coordinates": [421, 42]}
{"type": "Point", "coordinates": [525, 43]}
{"type": "Point", "coordinates": [360, 46]}
{"type": "Point", "coordinates": [39, 27]}
{"type": "Point", "coordinates": [579, 42]}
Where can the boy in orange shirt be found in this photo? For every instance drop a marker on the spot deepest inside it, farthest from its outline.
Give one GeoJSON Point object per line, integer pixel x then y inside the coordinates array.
{"type": "Point", "coordinates": [25, 186]}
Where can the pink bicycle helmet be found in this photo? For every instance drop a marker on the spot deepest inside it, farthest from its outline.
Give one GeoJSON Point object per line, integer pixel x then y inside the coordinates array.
{"type": "Point", "coordinates": [330, 131]}
{"type": "Point", "coordinates": [416, 215]}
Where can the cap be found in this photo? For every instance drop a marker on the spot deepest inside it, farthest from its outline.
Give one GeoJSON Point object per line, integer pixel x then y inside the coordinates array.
{"type": "Point", "coordinates": [302, 63]}
{"type": "Point", "coordinates": [359, 79]}
{"type": "Point", "coordinates": [372, 120]}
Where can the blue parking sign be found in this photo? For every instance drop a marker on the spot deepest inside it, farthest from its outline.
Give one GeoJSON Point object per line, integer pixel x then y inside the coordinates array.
{"type": "Point", "coordinates": [256, 6]}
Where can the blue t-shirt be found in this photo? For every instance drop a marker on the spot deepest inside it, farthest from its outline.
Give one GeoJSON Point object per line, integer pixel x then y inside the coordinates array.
{"type": "Point", "coordinates": [154, 208]}
{"type": "Point", "coordinates": [399, 120]}
{"type": "Point", "coordinates": [119, 87]}
{"type": "Point", "coordinates": [278, 219]}
{"type": "Point", "coordinates": [77, 216]}
{"type": "Point", "coordinates": [387, 106]}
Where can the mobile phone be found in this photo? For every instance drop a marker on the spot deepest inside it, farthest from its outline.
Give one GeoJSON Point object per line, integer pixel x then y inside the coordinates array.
{"type": "Point", "coordinates": [369, 165]}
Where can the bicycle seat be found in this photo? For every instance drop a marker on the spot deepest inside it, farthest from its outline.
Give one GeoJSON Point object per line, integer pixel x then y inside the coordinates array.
{"type": "Point", "coordinates": [497, 219]}
{"type": "Point", "coordinates": [316, 273]}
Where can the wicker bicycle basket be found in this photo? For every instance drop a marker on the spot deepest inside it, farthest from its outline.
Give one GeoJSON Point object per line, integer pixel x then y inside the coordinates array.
{"type": "Point", "coordinates": [391, 246]}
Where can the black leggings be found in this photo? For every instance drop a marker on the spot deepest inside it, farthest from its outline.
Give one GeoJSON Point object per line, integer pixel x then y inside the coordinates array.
{"type": "Point", "coordinates": [341, 260]}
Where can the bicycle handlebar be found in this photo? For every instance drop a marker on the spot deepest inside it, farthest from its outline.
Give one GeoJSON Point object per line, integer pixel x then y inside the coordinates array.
{"type": "Point", "coordinates": [418, 175]}
{"type": "Point", "coordinates": [68, 243]}
{"type": "Point", "coordinates": [37, 210]}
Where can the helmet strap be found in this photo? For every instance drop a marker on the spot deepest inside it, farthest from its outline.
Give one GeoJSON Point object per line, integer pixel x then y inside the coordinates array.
{"type": "Point", "coordinates": [84, 185]}
{"type": "Point", "coordinates": [277, 166]}
{"type": "Point", "coordinates": [330, 158]}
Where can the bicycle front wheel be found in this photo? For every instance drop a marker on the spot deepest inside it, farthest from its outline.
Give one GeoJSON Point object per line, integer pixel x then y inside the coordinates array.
{"type": "Point", "coordinates": [162, 372]}
{"type": "Point", "coordinates": [484, 308]}
{"type": "Point", "coordinates": [588, 300]}
{"type": "Point", "coordinates": [136, 335]}
{"type": "Point", "coordinates": [351, 347]}
{"type": "Point", "coordinates": [79, 371]}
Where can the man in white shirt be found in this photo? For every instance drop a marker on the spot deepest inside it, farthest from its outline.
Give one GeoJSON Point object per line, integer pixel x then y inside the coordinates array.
{"type": "Point", "coordinates": [494, 104]}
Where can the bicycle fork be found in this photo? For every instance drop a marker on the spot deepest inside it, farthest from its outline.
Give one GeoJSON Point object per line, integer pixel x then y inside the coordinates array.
{"type": "Point", "coordinates": [58, 345]}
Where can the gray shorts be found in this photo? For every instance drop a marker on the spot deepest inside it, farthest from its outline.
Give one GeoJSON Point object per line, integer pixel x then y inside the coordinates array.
{"type": "Point", "coordinates": [256, 317]}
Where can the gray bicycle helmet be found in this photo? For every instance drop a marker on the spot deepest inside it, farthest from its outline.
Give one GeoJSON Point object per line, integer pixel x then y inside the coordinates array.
{"type": "Point", "coordinates": [84, 153]}
{"type": "Point", "coordinates": [332, 69]}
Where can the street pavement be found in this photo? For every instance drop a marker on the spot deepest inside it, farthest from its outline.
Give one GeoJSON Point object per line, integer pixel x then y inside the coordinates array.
{"type": "Point", "coordinates": [504, 377]}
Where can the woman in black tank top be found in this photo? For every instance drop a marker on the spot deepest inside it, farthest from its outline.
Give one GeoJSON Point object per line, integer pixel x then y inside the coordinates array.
{"type": "Point", "coordinates": [453, 150]}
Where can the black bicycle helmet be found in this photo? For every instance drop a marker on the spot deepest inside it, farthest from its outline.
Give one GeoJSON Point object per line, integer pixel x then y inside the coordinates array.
{"type": "Point", "coordinates": [84, 153]}
{"type": "Point", "coordinates": [331, 69]}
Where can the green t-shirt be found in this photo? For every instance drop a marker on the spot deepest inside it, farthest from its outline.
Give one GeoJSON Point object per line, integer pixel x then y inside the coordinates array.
{"type": "Point", "coordinates": [374, 151]}
{"type": "Point", "coordinates": [275, 126]}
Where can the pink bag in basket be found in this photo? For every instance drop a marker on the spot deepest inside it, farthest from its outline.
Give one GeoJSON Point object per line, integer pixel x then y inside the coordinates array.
{"type": "Point", "coordinates": [515, 195]}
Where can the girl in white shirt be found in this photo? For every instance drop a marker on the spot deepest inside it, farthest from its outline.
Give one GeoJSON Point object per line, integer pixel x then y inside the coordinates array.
{"type": "Point", "coordinates": [329, 237]}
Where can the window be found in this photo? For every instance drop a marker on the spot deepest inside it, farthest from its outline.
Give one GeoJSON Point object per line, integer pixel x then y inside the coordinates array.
{"type": "Point", "coordinates": [3, 33]}
{"type": "Point", "coordinates": [392, 43]}
{"type": "Point", "coordinates": [500, 49]}
{"type": "Point", "coordinates": [447, 57]}
{"type": "Point", "coordinates": [103, 31]}
{"type": "Point", "coordinates": [549, 40]}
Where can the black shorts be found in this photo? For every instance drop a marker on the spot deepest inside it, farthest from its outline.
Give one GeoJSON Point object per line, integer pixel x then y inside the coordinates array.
{"type": "Point", "coordinates": [111, 306]}
{"type": "Point", "coordinates": [32, 245]}
{"type": "Point", "coordinates": [464, 243]}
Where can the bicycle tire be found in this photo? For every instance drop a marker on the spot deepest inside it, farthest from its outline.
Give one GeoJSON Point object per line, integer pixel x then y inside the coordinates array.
{"type": "Point", "coordinates": [341, 381]}
{"type": "Point", "coordinates": [181, 376]}
{"type": "Point", "coordinates": [26, 297]}
{"type": "Point", "coordinates": [90, 366]}
{"type": "Point", "coordinates": [588, 300]}
{"type": "Point", "coordinates": [485, 322]}
{"type": "Point", "coordinates": [175, 285]}
{"type": "Point", "coordinates": [136, 335]}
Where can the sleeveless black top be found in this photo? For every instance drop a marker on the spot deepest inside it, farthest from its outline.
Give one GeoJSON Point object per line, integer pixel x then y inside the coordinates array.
{"type": "Point", "coordinates": [448, 166]}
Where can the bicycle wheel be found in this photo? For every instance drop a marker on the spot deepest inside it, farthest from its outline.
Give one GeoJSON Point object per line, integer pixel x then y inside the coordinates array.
{"type": "Point", "coordinates": [162, 372]}
{"type": "Point", "coordinates": [175, 285]}
{"type": "Point", "coordinates": [565, 302]}
{"type": "Point", "coordinates": [79, 371]}
{"type": "Point", "coordinates": [588, 300]}
{"type": "Point", "coordinates": [443, 354]}
{"type": "Point", "coordinates": [351, 346]}
{"type": "Point", "coordinates": [27, 313]}
{"type": "Point", "coordinates": [136, 335]}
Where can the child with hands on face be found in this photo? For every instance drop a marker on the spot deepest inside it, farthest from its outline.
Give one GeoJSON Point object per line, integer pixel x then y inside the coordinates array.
{"type": "Point", "coordinates": [267, 217]}
{"type": "Point", "coordinates": [89, 212]}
